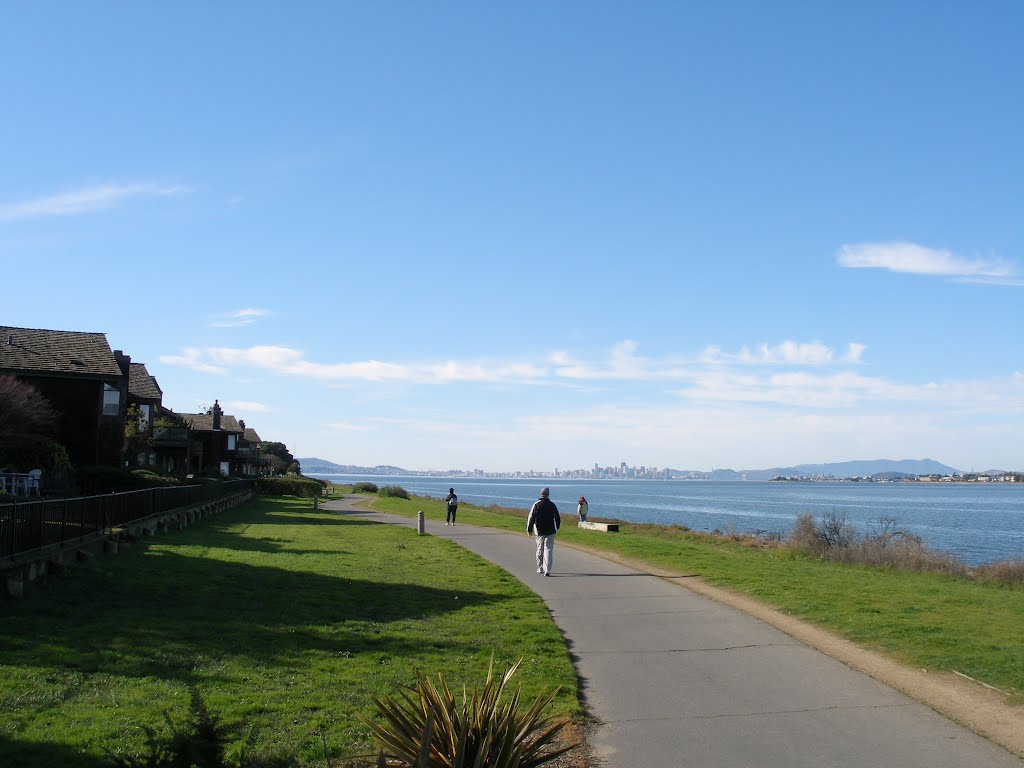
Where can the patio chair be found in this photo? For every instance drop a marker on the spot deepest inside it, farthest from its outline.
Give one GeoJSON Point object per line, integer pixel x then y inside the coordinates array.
{"type": "Point", "coordinates": [32, 482]}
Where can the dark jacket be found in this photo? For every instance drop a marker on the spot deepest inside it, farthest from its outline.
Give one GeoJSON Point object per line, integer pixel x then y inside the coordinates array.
{"type": "Point", "coordinates": [543, 518]}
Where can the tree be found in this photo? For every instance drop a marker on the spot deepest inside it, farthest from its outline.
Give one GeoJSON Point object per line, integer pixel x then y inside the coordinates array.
{"type": "Point", "coordinates": [27, 423]}
{"type": "Point", "coordinates": [282, 452]}
{"type": "Point", "coordinates": [24, 412]}
{"type": "Point", "coordinates": [136, 439]}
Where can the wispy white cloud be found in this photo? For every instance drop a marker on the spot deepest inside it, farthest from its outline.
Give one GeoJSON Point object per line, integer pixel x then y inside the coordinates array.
{"type": "Point", "coordinates": [240, 318]}
{"type": "Point", "coordinates": [193, 358]}
{"type": "Point", "coordinates": [292, 362]}
{"type": "Point", "coordinates": [247, 405]}
{"type": "Point", "coordinates": [85, 200]}
{"type": "Point", "coordinates": [854, 352]}
{"type": "Point", "coordinates": [791, 353]}
{"type": "Point", "coordinates": [344, 426]}
{"type": "Point", "coordinates": [917, 259]}
{"type": "Point", "coordinates": [790, 401]}
{"type": "Point", "coordinates": [843, 390]}
{"type": "Point", "coordinates": [800, 388]}
{"type": "Point", "coordinates": [621, 363]}
{"type": "Point", "coordinates": [788, 352]}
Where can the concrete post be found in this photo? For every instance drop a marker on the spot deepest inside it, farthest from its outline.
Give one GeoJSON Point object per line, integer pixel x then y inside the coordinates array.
{"type": "Point", "coordinates": [419, 523]}
{"type": "Point", "coordinates": [316, 502]}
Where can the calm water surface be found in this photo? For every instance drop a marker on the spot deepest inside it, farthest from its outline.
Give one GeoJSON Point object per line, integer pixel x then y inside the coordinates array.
{"type": "Point", "coordinates": [979, 523]}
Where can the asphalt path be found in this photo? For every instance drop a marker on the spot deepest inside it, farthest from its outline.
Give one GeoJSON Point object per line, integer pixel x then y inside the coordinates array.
{"type": "Point", "coordinates": [673, 678]}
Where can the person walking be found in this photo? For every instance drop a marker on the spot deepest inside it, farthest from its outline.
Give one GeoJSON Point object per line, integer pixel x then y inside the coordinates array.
{"type": "Point", "coordinates": [451, 507]}
{"type": "Point", "coordinates": [543, 523]}
{"type": "Point", "coordinates": [581, 509]}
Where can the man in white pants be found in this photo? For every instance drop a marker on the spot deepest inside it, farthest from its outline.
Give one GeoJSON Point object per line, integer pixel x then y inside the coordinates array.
{"type": "Point", "coordinates": [543, 523]}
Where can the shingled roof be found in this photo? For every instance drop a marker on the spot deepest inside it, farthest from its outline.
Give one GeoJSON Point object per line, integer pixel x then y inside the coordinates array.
{"type": "Point", "coordinates": [141, 384]}
{"type": "Point", "coordinates": [203, 422]}
{"type": "Point", "coordinates": [39, 351]}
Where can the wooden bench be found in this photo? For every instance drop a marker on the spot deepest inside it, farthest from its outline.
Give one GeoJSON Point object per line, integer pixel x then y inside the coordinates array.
{"type": "Point", "coordinates": [606, 527]}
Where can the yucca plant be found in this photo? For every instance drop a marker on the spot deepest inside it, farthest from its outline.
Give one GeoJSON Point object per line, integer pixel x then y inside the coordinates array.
{"type": "Point", "coordinates": [426, 727]}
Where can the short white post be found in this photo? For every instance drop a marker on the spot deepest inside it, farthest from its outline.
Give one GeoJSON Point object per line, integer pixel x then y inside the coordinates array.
{"type": "Point", "coordinates": [419, 522]}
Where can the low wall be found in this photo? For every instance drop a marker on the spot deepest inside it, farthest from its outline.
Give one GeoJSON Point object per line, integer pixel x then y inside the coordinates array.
{"type": "Point", "coordinates": [17, 574]}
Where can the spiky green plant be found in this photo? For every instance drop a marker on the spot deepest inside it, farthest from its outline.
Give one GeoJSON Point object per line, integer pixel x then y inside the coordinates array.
{"type": "Point", "coordinates": [427, 727]}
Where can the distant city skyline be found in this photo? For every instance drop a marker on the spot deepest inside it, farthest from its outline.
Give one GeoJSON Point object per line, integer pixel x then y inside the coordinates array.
{"type": "Point", "coordinates": [536, 235]}
{"type": "Point", "coordinates": [852, 468]}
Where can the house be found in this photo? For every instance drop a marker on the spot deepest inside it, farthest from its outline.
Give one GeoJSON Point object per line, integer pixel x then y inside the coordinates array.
{"type": "Point", "coordinates": [247, 456]}
{"type": "Point", "coordinates": [214, 438]}
{"type": "Point", "coordinates": [163, 440]}
{"type": "Point", "coordinates": [146, 396]}
{"type": "Point", "coordinates": [84, 380]}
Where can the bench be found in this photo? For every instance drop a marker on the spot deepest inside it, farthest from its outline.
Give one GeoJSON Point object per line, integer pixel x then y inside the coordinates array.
{"type": "Point", "coordinates": [606, 527]}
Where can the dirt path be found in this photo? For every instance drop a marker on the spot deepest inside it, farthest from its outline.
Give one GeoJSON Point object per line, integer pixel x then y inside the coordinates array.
{"type": "Point", "coordinates": [973, 705]}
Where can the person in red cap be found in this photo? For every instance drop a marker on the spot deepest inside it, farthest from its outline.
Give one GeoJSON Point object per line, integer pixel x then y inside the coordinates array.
{"type": "Point", "coordinates": [581, 509]}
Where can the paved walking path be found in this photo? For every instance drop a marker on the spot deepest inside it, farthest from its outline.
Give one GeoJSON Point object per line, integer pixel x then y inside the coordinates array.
{"type": "Point", "coordinates": [676, 679]}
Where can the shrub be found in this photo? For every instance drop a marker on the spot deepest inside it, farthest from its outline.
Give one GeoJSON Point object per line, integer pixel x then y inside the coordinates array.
{"type": "Point", "coordinates": [364, 488]}
{"type": "Point", "coordinates": [288, 486]}
{"type": "Point", "coordinates": [427, 727]}
{"type": "Point", "coordinates": [394, 490]}
{"type": "Point", "coordinates": [100, 479]}
{"type": "Point", "coordinates": [1005, 571]}
{"type": "Point", "coordinates": [156, 478]}
{"type": "Point", "coordinates": [886, 546]}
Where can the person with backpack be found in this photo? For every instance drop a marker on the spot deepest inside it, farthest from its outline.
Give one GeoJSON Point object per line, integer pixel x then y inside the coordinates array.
{"type": "Point", "coordinates": [451, 507]}
{"type": "Point", "coordinates": [582, 509]}
{"type": "Point", "coordinates": [544, 523]}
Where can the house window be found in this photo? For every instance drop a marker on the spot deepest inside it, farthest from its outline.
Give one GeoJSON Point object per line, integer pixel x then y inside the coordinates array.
{"type": "Point", "coordinates": [225, 468]}
{"type": "Point", "coordinates": [144, 417]}
{"type": "Point", "coordinates": [231, 442]}
{"type": "Point", "coordinates": [111, 400]}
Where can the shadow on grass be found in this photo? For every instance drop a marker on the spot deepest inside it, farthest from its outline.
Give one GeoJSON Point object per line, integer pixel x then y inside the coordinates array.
{"type": "Point", "coordinates": [25, 753]}
{"type": "Point", "coordinates": [176, 613]}
{"type": "Point", "coordinates": [311, 518]}
{"type": "Point", "coordinates": [224, 532]}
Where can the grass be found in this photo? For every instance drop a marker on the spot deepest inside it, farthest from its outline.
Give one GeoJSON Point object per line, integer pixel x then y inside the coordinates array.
{"type": "Point", "coordinates": [928, 620]}
{"type": "Point", "coordinates": [284, 618]}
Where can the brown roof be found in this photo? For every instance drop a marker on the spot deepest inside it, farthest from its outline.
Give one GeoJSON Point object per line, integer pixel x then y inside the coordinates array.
{"type": "Point", "coordinates": [203, 422]}
{"type": "Point", "coordinates": [141, 384]}
{"type": "Point", "coordinates": [230, 424]}
{"type": "Point", "coordinates": [34, 350]}
{"type": "Point", "coordinates": [251, 436]}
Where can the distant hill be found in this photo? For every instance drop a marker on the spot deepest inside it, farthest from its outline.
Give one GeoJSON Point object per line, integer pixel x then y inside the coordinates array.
{"type": "Point", "coordinates": [891, 467]}
{"type": "Point", "coordinates": [314, 466]}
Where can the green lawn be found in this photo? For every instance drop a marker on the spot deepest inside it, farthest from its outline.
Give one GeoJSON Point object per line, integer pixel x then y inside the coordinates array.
{"type": "Point", "coordinates": [930, 621]}
{"type": "Point", "coordinates": [284, 618]}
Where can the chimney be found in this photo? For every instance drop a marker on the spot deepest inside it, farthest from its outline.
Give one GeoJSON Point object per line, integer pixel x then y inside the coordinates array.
{"type": "Point", "coordinates": [124, 361]}
{"type": "Point", "coordinates": [217, 412]}
{"type": "Point", "coordinates": [241, 423]}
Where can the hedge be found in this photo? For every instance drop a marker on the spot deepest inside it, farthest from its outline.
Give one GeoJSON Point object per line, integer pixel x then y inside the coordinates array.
{"type": "Point", "coordinates": [289, 486]}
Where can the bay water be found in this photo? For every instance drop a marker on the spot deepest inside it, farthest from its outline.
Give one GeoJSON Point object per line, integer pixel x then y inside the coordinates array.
{"type": "Point", "coordinates": [977, 522]}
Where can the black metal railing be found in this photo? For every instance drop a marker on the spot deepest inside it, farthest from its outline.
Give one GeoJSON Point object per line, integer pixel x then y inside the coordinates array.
{"type": "Point", "coordinates": [31, 525]}
{"type": "Point", "coordinates": [171, 434]}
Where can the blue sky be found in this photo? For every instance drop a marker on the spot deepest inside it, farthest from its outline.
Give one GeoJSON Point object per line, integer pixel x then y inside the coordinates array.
{"type": "Point", "coordinates": [514, 236]}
